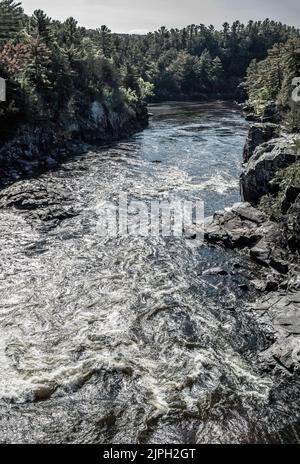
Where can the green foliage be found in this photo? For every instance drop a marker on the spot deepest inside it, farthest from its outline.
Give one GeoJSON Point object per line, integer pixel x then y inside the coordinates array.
{"type": "Point", "coordinates": [11, 19]}
{"type": "Point", "coordinates": [197, 59]}
{"type": "Point", "coordinates": [51, 65]}
{"type": "Point", "coordinates": [290, 176]}
{"type": "Point", "coordinates": [271, 80]}
{"type": "Point", "coordinates": [40, 26]}
{"type": "Point", "coordinates": [146, 89]}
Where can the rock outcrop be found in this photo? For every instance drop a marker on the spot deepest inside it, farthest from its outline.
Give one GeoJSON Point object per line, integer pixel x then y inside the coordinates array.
{"type": "Point", "coordinates": [259, 133]}
{"type": "Point", "coordinates": [42, 144]}
{"type": "Point", "coordinates": [42, 204]}
{"type": "Point", "coordinates": [280, 311]}
{"type": "Point", "coordinates": [266, 161]}
{"type": "Point", "coordinates": [274, 246]}
{"type": "Point", "coordinates": [244, 227]}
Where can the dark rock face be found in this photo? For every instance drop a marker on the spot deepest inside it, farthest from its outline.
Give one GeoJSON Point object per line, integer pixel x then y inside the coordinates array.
{"type": "Point", "coordinates": [45, 205]}
{"type": "Point", "coordinates": [290, 195]}
{"type": "Point", "coordinates": [281, 312]}
{"type": "Point", "coordinates": [245, 227]}
{"type": "Point", "coordinates": [259, 133]}
{"type": "Point", "coordinates": [36, 147]}
{"type": "Point", "coordinates": [272, 113]}
{"type": "Point", "coordinates": [266, 161]}
{"type": "Point", "coordinates": [292, 226]}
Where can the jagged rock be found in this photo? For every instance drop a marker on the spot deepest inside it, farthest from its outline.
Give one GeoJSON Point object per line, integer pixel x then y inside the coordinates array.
{"type": "Point", "coordinates": [279, 264]}
{"type": "Point", "coordinates": [272, 113]}
{"type": "Point", "coordinates": [290, 195]}
{"type": "Point", "coordinates": [235, 227]}
{"type": "Point", "coordinates": [46, 203]}
{"type": "Point", "coordinates": [243, 226]}
{"type": "Point", "coordinates": [292, 226]}
{"type": "Point", "coordinates": [266, 161]}
{"type": "Point", "coordinates": [259, 133]}
{"type": "Point", "coordinates": [247, 212]}
{"type": "Point", "coordinates": [268, 251]}
{"type": "Point", "coordinates": [261, 253]}
{"type": "Point", "coordinates": [282, 314]}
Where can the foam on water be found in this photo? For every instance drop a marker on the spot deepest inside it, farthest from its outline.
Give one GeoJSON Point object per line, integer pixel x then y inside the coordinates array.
{"type": "Point", "coordinates": [128, 329]}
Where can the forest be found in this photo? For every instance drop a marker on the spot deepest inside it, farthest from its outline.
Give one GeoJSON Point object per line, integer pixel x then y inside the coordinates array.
{"type": "Point", "coordinates": [51, 65]}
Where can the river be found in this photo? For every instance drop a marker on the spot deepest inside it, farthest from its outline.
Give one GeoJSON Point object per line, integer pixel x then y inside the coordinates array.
{"type": "Point", "coordinates": [128, 339]}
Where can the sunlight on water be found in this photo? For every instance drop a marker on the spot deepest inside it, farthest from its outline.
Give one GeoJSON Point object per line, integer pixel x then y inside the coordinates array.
{"type": "Point", "coordinates": [124, 339]}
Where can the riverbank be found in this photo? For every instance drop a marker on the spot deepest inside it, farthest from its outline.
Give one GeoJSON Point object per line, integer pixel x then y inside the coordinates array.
{"type": "Point", "coordinates": [40, 145]}
{"type": "Point", "coordinates": [250, 228]}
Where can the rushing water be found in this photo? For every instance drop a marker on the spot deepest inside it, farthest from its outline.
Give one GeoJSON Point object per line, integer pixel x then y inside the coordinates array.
{"type": "Point", "coordinates": [125, 340]}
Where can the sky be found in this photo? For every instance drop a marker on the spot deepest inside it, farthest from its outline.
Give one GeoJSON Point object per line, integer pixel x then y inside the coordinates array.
{"type": "Point", "coordinates": [141, 16]}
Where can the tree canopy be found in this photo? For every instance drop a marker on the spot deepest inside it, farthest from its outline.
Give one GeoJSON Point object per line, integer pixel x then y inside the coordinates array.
{"type": "Point", "coordinates": [50, 64]}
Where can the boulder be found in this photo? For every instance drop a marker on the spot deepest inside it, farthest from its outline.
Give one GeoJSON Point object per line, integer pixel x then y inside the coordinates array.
{"type": "Point", "coordinates": [245, 227]}
{"type": "Point", "coordinates": [259, 133]}
{"type": "Point", "coordinates": [266, 161]}
{"type": "Point", "coordinates": [235, 227]}
{"type": "Point", "coordinates": [46, 204]}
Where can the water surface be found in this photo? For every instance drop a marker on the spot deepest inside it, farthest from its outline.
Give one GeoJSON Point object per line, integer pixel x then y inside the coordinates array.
{"type": "Point", "coordinates": [125, 340]}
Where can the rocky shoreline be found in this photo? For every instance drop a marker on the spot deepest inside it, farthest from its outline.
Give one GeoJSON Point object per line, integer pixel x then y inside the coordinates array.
{"type": "Point", "coordinates": [41, 145]}
{"type": "Point", "coordinates": [274, 245]}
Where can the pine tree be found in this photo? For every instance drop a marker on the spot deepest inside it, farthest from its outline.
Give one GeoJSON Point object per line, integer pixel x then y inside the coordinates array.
{"type": "Point", "coordinates": [11, 19]}
{"type": "Point", "coordinates": [40, 25]}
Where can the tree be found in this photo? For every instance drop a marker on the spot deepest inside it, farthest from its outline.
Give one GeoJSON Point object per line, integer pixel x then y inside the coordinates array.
{"type": "Point", "coordinates": [11, 19]}
{"type": "Point", "coordinates": [40, 25]}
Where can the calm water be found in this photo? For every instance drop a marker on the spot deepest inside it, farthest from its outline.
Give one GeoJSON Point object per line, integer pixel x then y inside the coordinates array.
{"type": "Point", "coordinates": [124, 340]}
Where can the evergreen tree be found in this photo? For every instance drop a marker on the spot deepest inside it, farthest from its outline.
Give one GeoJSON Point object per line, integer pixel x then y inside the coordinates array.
{"type": "Point", "coordinates": [40, 25]}
{"type": "Point", "coordinates": [11, 19]}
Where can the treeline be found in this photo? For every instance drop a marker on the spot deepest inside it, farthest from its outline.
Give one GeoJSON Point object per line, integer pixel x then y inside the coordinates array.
{"type": "Point", "coordinates": [52, 65]}
{"type": "Point", "coordinates": [199, 59]}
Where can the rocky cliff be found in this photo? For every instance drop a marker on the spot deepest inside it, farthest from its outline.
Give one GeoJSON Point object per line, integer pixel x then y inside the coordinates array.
{"type": "Point", "coordinates": [273, 243]}
{"type": "Point", "coordinates": [40, 144]}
